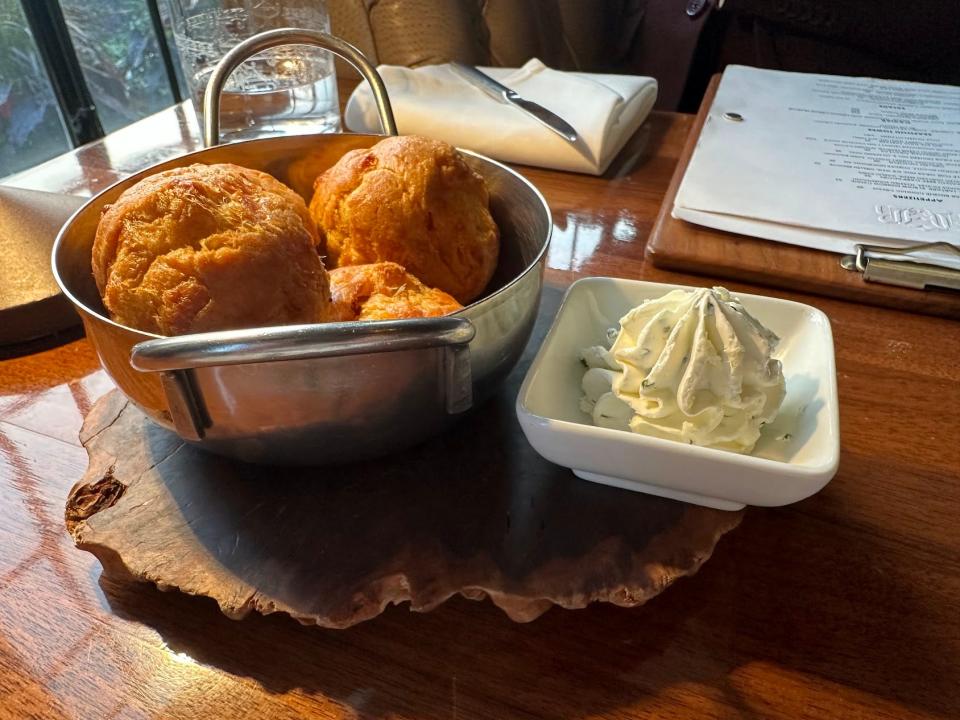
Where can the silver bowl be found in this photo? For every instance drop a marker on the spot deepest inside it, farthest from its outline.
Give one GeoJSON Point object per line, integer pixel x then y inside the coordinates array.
{"type": "Point", "coordinates": [322, 393]}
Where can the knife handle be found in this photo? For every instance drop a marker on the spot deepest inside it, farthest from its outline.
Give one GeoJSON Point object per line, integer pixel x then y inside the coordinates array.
{"type": "Point", "coordinates": [483, 81]}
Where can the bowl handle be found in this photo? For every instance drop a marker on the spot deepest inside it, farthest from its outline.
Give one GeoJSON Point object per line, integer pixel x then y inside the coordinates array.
{"type": "Point", "coordinates": [299, 342]}
{"type": "Point", "coordinates": [289, 36]}
{"type": "Point", "coordinates": [176, 358]}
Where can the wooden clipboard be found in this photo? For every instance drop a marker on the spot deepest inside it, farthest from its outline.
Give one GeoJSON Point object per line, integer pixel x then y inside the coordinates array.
{"type": "Point", "coordinates": [679, 245]}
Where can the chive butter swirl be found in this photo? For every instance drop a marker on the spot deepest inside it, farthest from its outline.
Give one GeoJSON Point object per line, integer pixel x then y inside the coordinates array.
{"type": "Point", "coordinates": [692, 366]}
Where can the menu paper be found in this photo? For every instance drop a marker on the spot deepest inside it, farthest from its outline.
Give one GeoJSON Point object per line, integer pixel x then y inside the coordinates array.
{"type": "Point", "coordinates": [827, 162]}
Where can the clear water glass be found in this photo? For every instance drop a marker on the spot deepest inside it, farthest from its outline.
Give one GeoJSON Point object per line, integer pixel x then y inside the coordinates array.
{"type": "Point", "coordinates": [290, 89]}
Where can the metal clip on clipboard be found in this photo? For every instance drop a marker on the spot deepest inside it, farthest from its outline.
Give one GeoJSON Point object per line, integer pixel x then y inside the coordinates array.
{"type": "Point", "coordinates": [904, 272]}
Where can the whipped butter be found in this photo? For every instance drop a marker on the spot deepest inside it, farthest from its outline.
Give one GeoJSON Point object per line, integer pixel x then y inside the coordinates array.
{"type": "Point", "coordinates": [691, 366]}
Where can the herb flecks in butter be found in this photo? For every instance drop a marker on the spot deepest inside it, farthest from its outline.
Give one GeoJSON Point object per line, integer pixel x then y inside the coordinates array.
{"type": "Point", "coordinates": [692, 366]}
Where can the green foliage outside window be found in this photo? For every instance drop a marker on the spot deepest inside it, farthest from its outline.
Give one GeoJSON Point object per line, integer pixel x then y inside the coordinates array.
{"type": "Point", "coordinates": [120, 59]}
{"type": "Point", "coordinates": [30, 127]}
{"type": "Point", "coordinates": [121, 63]}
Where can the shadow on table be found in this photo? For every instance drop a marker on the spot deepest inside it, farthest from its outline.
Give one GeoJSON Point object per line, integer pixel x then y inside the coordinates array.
{"type": "Point", "coordinates": [464, 659]}
{"type": "Point", "coordinates": [774, 608]}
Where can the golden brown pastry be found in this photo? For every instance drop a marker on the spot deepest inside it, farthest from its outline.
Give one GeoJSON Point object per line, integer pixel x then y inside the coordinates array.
{"type": "Point", "coordinates": [413, 201]}
{"type": "Point", "coordinates": [209, 247]}
{"type": "Point", "coordinates": [383, 291]}
{"type": "Point", "coordinates": [302, 173]}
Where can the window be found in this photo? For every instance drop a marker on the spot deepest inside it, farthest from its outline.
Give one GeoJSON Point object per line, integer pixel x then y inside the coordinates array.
{"type": "Point", "coordinates": [121, 61]}
{"type": "Point", "coordinates": [71, 70]}
{"type": "Point", "coordinates": [31, 128]}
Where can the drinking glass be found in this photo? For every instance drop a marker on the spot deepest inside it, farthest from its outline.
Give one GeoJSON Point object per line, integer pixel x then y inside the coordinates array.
{"type": "Point", "coordinates": [287, 90]}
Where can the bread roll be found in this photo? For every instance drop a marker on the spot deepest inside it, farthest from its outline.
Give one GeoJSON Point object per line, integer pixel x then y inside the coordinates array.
{"type": "Point", "coordinates": [412, 201]}
{"type": "Point", "coordinates": [209, 247]}
{"type": "Point", "coordinates": [384, 291]}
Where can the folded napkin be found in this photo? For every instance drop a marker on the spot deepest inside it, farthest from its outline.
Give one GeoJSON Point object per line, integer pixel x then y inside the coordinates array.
{"type": "Point", "coordinates": [434, 101]}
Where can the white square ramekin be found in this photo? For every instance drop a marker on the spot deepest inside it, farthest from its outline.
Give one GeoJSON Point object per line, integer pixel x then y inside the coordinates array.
{"type": "Point", "coordinates": [796, 456]}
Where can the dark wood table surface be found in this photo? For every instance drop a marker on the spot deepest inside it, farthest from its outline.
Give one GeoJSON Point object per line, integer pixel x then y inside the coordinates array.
{"type": "Point", "coordinates": [846, 605]}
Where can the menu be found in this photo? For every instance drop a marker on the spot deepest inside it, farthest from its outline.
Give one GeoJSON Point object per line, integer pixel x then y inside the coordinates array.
{"type": "Point", "coordinates": [828, 161]}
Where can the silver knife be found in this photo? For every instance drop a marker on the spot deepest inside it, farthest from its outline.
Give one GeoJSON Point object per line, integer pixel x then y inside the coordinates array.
{"type": "Point", "coordinates": [504, 94]}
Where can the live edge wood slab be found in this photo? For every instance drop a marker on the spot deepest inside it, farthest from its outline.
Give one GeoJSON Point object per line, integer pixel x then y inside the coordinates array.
{"type": "Point", "coordinates": [474, 512]}
{"type": "Point", "coordinates": [334, 547]}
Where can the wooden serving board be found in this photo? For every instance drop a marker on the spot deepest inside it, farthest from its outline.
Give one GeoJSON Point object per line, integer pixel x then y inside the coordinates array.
{"type": "Point", "coordinates": [475, 511]}
{"type": "Point", "coordinates": [682, 246]}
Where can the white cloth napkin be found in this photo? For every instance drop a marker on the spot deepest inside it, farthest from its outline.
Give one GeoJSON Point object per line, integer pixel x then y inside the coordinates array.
{"type": "Point", "coordinates": [434, 101]}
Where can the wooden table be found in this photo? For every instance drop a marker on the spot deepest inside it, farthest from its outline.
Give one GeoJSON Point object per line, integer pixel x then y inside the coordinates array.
{"type": "Point", "coordinates": [846, 605]}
